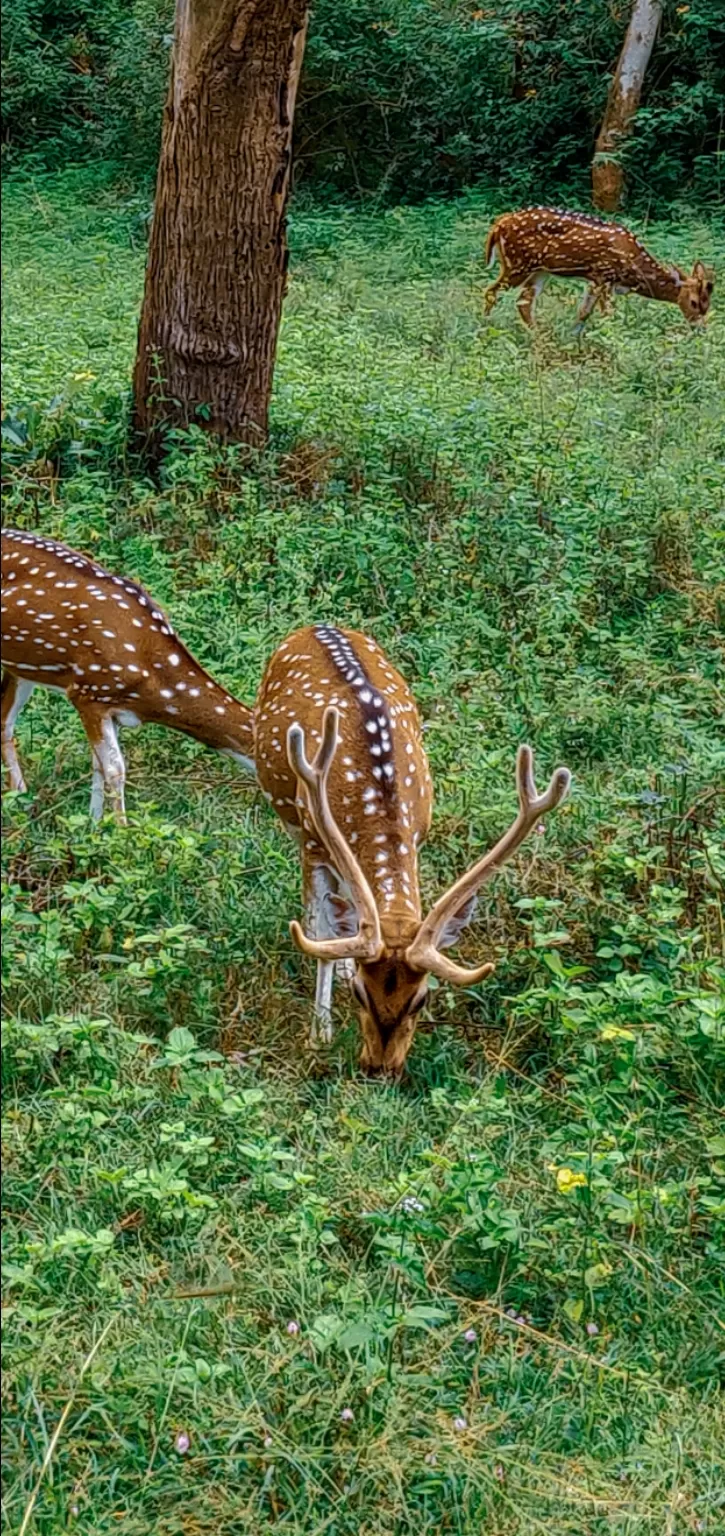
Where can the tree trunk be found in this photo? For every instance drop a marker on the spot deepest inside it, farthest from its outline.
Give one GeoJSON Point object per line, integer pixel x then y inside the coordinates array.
{"type": "Point", "coordinates": [622, 103]}
{"type": "Point", "coordinates": [218, 253]}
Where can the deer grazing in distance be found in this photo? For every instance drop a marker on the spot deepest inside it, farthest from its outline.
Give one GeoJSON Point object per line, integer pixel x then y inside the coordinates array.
{"type": "Point", "coordinates": [361, 808]}
{"type": "Point", "coordinates": [536, 243]}
{"type": "Point", "coordinates": [68, 625]}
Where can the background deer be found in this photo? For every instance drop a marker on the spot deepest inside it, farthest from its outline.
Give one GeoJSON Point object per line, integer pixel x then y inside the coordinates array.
{"type": "Point", "coordinates": [69, 625]}
{"type": "Point", "coordinates": [537, 243]}
{"type": "Point", "coordinates": [361, 809]}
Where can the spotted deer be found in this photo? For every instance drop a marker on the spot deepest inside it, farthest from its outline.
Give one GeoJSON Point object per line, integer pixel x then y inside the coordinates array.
{"type": "Point", "coordinates": [536, 243]}
{"type": "Point", "coordinates": [361, 808]}
{"type": "Point", "coordinates": [69, 625]}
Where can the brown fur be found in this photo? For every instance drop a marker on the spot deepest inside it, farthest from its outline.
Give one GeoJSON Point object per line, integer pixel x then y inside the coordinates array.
{"type": "Point", "coordinates": [70, 625]}
{"type": "Point", "coordinates": [361, 808]}
{"type": "Point", "coordinates": [537, 242]}
{"type": "Point", "coordinates": [380, 795]}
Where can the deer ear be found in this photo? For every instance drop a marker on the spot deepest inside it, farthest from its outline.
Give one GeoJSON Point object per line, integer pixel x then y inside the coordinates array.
{"type": "Point", "coordinates": [699, 271]}
{"type": "Point", "coordinates": [456, 924]}
{"type": "Point", "coordinates": [341, 918]}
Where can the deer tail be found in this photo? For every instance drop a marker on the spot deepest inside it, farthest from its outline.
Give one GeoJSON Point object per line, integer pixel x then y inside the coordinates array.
{"type": "Point", "coordinates": [491, 252]}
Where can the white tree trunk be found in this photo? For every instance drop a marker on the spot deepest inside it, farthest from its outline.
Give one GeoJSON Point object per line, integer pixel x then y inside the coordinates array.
{"type": "Point", "coordinates": [622, 103]}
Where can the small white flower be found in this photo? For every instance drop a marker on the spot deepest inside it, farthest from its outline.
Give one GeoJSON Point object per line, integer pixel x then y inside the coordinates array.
{"type": "Point", "coordinates": [293, 1327]}
{"type": "Point", "coordinates": [460, 1424]}
{"type": "Point", "coordinates": [470, 1335]}
{"type": "Point", "coordinates": [347, 1416]}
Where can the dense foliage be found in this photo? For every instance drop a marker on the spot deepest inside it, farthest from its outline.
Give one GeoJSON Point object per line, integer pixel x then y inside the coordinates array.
{"type": "Point", "coordinates": [402, 99]}
{"type": "Point", "coordinates": [490, 1298]}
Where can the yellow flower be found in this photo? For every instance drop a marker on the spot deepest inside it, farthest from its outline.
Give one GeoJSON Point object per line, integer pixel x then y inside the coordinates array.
{"type": "Point", "coordinates": [567, 1179]}
{"type": "Point", "coordinates": [615, 1032]}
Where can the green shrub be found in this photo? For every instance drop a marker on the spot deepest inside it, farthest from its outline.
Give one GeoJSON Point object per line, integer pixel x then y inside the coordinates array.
{"type": "Point", "coordinates": [400, 101]}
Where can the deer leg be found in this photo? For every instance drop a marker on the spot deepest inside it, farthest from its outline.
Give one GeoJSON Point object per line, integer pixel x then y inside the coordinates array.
{"type": "Point", "coordinates": [15, 694]}
{"type": "Point", "coordinates": [321, 882]}
{"type": "Point", "coordinates": [322, 1020]}
{"type": "Point", "coordinates": [595, 294]}
{"type": "Point", "coordinates": [528, 296]}
{"type": "Point", "coordinates": [492, 292]}
{"type": "Point", "coordinates": [109, 769]}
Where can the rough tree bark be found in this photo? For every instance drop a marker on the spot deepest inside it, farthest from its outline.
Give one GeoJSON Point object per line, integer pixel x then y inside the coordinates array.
{"type": "Point", "coordinates": [622, 103]}
{"type": "Point", "coordinates": [218, 254]}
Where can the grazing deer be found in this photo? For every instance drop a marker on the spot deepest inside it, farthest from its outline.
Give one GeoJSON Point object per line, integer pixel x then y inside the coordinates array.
{"type": "Point", "coordinates": [69, 625]}
{"type": "Point", "coordinates": [361, 809]}
{"type": "Point", "coordinates": [537, 243]}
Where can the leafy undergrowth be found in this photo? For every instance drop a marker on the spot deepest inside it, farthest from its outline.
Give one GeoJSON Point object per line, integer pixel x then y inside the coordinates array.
{"type": "Point", "coordinates": [489, 1298]}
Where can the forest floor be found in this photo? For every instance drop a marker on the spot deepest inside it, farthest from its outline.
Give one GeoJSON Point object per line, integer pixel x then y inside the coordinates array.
{"type": "Point", "coordinates": [505, 1274]}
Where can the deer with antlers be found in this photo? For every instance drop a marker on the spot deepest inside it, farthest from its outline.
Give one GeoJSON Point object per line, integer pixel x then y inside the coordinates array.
{"type": "Point", "coordinates": [536, 243]}
{"type": "Point", "coordinates": [361, 808]}
{"type": "Point", "coordinates": [69, 625]}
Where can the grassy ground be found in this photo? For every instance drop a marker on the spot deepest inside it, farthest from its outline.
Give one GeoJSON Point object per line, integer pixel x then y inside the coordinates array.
{"type": "Point", "coordinates": [486, 1299]}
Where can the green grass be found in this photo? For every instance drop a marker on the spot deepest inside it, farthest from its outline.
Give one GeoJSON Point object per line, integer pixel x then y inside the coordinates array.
{"type": "Point", "coordinates": [534, 529]}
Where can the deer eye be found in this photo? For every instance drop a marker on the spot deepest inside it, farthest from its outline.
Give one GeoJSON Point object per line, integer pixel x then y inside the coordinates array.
{"type": "Point", "coordinates": [708, 287]}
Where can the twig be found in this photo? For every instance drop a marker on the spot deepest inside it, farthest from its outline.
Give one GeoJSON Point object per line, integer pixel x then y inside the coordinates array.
{"type": "Point", "coordinates": [48, 1457]}
{"type": "Point", "coordinates": [640, 1259]}
{"type": "Point", "coordinates": [594, 1361]}
{"type": "Point", "coordinates": [702, 799]}
{"type": "Point", "coordinates": [190, 1293]}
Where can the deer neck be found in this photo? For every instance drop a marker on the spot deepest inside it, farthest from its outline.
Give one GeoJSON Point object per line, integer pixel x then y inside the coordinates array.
{"type": "Point", "coordinates": [216, 719]}
{"type": "Point", "coordinates": [653, 280]}
{"type": "Point", "coordinates": [399, 927]}
{"type": "Point", "coordinates": [390, 861]}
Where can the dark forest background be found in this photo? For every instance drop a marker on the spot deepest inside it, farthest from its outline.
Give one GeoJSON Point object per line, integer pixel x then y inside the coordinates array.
{"type": "Point", "coordinates": [400, 99]}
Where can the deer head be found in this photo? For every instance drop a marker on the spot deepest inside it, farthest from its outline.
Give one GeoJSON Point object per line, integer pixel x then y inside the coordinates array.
{"type": "Point", "coordinates": [394, 955]}
{"type": "Point", "coordinates": [695, 293]}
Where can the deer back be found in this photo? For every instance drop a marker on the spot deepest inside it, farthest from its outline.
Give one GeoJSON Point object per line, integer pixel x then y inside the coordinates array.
{"type": "Point", "coordinates": [380, 791]}
{"type": "Point", "coordinates": [69, 624]}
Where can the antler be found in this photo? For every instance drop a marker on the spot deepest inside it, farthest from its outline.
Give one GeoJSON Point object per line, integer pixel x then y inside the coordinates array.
{"type": "Point", "coordinates": [368, 942]}
{"type": "Point", "coordinates": [423, 954]}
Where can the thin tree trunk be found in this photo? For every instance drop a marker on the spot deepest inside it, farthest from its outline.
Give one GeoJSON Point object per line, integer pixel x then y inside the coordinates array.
{"type": "Point", "coordinates": [622, 103]}
{"type": "Point", "coordinates": [218, 252]}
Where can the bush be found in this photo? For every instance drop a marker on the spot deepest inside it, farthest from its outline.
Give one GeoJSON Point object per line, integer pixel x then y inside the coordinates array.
{"type": "Point", "coordinates": [83, 78]}
{"type": "Point", "coordinates": [400, 101]}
